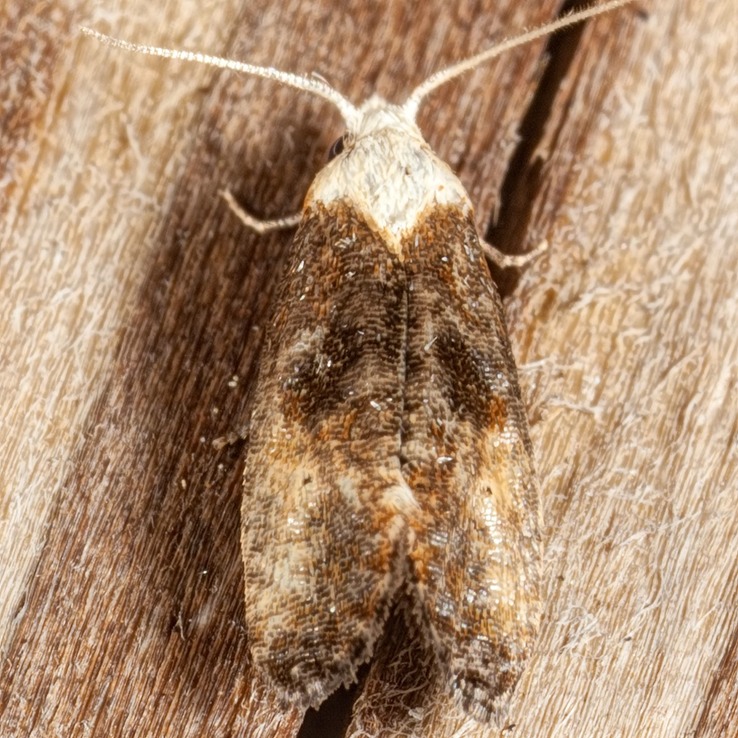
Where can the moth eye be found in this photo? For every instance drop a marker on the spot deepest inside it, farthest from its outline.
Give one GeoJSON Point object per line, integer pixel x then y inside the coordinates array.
{"type": "Point", "coordinates": [336, 148]}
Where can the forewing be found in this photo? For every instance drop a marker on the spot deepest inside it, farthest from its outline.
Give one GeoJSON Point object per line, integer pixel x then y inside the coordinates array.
{"type": "Point", "coordinates": [467, 459]}
{"type": "Point", "coordinates": [324, 543]}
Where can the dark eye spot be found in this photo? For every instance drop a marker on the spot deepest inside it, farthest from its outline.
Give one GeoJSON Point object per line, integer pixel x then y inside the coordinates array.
{"type": "Point", "coordinates": [336, 148]}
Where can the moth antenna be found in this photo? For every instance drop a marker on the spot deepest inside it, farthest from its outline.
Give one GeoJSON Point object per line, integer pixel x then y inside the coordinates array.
{"type": "Point", "coordinates": [444, 75]}
{"type": "Point", "coordinates": [315, 85]}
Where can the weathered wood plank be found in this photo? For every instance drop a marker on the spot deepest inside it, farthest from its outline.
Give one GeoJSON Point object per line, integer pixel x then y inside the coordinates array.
{"type": "Point", "coordinates": [132, 298]}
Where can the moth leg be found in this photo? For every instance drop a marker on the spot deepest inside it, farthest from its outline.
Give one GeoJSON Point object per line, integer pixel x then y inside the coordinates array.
{"type": "Point", "coordinates": [257, 224]}
{"type": "Point", "coordinates": [504, 261]}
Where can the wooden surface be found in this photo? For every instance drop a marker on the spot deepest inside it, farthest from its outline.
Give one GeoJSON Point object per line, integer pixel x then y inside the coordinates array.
{"type": "Point", "coordinates": [133, 305]}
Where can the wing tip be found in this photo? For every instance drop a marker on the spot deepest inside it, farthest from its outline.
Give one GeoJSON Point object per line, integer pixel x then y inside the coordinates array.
{"type": "Point", "coordinates": [303, 682]}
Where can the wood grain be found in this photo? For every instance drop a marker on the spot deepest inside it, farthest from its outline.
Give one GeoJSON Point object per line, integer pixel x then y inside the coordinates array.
{"type": "Point", "coordinates": [133, 311]}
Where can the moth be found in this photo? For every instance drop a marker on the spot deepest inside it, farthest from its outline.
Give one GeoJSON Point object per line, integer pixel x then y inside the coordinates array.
{"type": "Point", "coordinates": [388, 456]}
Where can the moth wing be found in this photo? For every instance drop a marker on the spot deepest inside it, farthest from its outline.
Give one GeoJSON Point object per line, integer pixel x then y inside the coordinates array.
{"type": "Point", "coordinates": [324, 542]}
{"type": "Point", "coordinates": [476, 551]}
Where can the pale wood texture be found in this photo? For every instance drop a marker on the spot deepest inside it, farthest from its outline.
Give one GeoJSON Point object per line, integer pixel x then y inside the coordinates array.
{"type": "Point", "coordinates": [133, 305]}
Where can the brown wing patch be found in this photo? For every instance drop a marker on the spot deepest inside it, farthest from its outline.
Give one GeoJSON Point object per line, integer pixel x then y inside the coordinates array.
{"type": "Point", "coordinates": [323, 538]}
{"type": "Point", "coordinates": [466, 456]}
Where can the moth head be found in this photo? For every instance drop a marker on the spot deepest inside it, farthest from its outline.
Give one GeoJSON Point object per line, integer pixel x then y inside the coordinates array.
{"type": "Point", "coordinates": [371, 118]}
